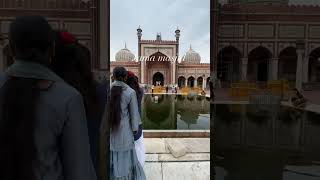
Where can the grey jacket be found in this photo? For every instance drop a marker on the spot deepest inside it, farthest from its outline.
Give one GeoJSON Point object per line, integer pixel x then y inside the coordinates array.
{"type": "Point", "coordinates": [61, 134]}
{"type": "Point", "coordinates": [122, 139]}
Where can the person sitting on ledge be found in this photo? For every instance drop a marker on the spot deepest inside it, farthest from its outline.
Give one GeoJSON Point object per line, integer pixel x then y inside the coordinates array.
{"type": "Point", "coordinates": [203, 93]}
{"type": "Point", "coordinates": [298, 100]}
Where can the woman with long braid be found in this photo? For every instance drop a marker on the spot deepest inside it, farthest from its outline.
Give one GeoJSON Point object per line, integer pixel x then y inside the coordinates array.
{"type": "Point", "coordinates": [43, 130]}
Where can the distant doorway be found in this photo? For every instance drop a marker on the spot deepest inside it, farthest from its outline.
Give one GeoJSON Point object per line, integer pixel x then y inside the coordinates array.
{"type": "Point", "coordinates": [181, 82]}
{"type": "Point", "coordinates": [191, 82]}
{"type": "Point", "coordinates": [262, 71]}
{"type": "Point", "coordinates": [258, 64]}
{"type": "Point", "coordinates": [158, 79]}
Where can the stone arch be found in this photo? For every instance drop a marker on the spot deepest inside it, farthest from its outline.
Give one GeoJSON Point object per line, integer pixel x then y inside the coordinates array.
{"type": "Point", "coordinates": [228, 66]}
{"type": "Point", "coordinates": [256, 45]}
{"type": "Point", "coordinates": [259, 64]}
{"type": "Point", "coordinates": [191, 80]}
{"type": "Point", "coordinates": [200, 81]}
{"type": "Point", "coordinates": [287, 66]}
{"type": "Point", "coordinates": [158, 79]}
{"type": "Point", "coordinates": [181, 81]}
{"type": "Point", "coordinates": [155, 64]}
{"type": "Point", "coordinates": [314, 66]}
{"type": "Point", "coordinates": [208, 83]}
{"type": "Point", "coordinates": [283, 46]}
{"type": "Point", "coordinates": [313, 47]}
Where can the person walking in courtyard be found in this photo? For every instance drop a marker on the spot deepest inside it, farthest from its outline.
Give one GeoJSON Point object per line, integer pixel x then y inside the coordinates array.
{"type": "Point", "coordinates": [133, 82]}
{"type": "Point", "coordinates": [72, 64]}
{"type": "Point", "coordinates": [124, 119]}
{"type": "Point", "coordinates": [43, 124]}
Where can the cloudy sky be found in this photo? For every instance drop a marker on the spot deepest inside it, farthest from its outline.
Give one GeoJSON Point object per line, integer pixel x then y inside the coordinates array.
{"type": "Point", "coordinates": [294, 2]}
{"type": "Point", "coordinates": [163, 16]}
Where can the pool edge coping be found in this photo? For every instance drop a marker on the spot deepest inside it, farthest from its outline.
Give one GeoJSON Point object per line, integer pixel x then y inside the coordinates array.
{"type": "Point", "coordinates": [176, 133]}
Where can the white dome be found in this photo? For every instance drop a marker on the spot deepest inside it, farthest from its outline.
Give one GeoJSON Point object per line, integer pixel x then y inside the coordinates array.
{"type": "Point", "coordinates": [191, 57]}
{"type": "Point", "coordinates": [124, 55]}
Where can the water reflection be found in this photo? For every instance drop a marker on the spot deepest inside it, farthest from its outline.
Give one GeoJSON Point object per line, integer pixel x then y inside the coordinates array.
{"type": "Point", "coordinates": [175, 112]}
{"type": "Point", "coordinates": [266, 142]}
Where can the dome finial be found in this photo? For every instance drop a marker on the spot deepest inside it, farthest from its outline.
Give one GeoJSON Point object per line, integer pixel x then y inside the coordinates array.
{"type": "Point", "coordinates": [192, 56]}
{"type": "Point", "coordinates": [124, 55]}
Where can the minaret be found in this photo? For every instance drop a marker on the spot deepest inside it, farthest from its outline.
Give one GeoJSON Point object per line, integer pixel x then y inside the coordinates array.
{"type": "Point", "coordinates": [177, 35]}
{"type": "Point", "coordinates": [139, 34]}
{"type": "Point", "coordinates": [177, 32]}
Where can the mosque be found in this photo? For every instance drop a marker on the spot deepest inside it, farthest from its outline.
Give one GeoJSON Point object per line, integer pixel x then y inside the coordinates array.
{"type": "Point", "coordinates": [266, 40]}
{"type": "Point", "coordinates": [159, 63]}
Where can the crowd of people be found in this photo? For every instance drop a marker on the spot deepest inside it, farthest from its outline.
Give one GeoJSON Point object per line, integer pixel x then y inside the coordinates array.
{"type": "Point", "coordinates": [52, 110]}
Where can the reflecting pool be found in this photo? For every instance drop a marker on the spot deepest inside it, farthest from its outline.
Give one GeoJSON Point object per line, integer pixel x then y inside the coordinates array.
{"type": "Point", "coordinates": [265, 142]}
{"type": "Point", "coordinates": [171, 112]}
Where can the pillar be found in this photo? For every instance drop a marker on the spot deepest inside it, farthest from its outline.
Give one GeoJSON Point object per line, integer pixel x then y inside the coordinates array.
{"type": "Point", "coordinates": [2, 63]}
{"type": "Point", "coordinates": [142, 71]}
{"type": "Point", "coordinates": [204, 83]}
{"type": "Point", "coordinates": [299, 69]}
{"type": "Point", "coordinates": [195, 82]}
{"type": "Point", "coordinates": [305, 72]}
{"type": "Point", "coordinates": [103, 38]}
{"type": "Point", "coordinates": [274, 68]}
{"type": "Point", "coordinates": [174, 73]}
{"type": "Point", "coordinates": [244, 68]}
{"type": "Point", "coordinates": [185, 82]}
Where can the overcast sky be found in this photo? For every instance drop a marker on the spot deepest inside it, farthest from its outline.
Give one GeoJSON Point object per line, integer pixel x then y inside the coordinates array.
{"type": "Point", "coordinates": [294, 2]}
{"type": "Point", "coordinates": [163, 16]}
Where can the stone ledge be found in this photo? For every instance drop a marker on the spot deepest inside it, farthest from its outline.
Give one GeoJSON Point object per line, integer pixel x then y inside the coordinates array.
{"type": "Point", "coordinates": [192, 145]}
{"type": "Point", "coordinates": [190, 157]}
{"type": "Point", "coordinates": [176, 133]}
{"type": "Point", "coordinates": [155, 145]}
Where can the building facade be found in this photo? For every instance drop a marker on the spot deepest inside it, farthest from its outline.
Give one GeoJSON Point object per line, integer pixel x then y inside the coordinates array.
{"type": "Point", "coordinates": [160, 64]}
{"type": "Point", "coordinates": [80, 17]}
{"type": "Point", "coordinates": [259, 41]}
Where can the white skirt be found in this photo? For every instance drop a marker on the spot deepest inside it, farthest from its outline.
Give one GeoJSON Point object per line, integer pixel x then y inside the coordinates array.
{"type": "Point", "coordinates": [140, 150]}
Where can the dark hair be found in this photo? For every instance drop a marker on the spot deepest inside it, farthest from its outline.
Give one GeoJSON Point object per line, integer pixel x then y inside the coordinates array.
{"type": "Point", "coordinates": [30, 39]}
{"type": "Point", "coordinates": [72, 64]}
{"type": "Point", "coordinates": [298, 93]}
{"type": "Point", "coordinates": [133, 82]}
{"type": "Point", "coordinates": [119, 74]}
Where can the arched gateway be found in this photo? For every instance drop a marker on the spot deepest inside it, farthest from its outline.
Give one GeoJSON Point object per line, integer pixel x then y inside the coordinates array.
{"type": "Point", "coordinates": [158, 79]}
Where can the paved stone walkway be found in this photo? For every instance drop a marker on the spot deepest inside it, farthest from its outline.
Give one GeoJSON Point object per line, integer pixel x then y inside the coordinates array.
{"type": "Point", "coordinates": [312, 96]}
{"type": "Point", "coordinates": [177, 158]}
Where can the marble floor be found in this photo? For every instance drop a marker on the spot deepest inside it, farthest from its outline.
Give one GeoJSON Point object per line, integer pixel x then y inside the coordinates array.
{"type": "Point", "coordinates": [177, 158]}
